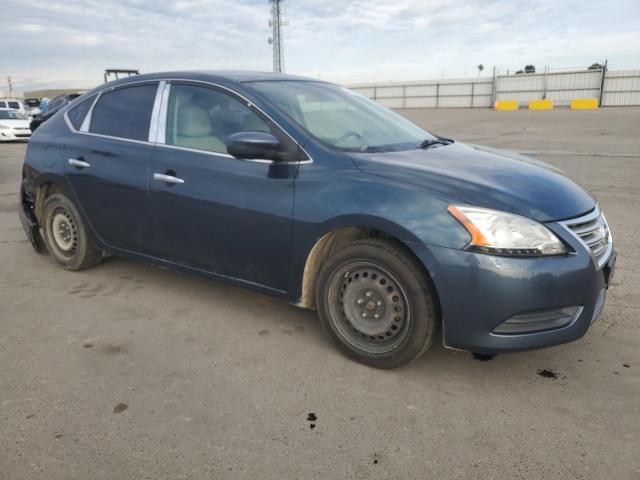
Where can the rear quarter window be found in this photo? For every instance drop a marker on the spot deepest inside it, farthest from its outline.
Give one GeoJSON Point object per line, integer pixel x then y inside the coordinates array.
{"type": "Point", "coordinates": [76, 114]}
{"type": "Point", "coordinates": [124, 112]}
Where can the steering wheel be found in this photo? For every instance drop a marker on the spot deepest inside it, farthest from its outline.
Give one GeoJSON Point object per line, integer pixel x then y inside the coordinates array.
{"type": "Point", "coordinates": [348, 134]}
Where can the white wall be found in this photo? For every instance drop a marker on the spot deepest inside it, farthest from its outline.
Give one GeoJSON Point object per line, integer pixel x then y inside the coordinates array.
{"type": "Point", "coordinates": [620, 88]}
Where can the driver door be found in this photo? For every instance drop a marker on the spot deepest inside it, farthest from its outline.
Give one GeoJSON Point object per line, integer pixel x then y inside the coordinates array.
{"type": "Point", "coordinates": [211, 211]}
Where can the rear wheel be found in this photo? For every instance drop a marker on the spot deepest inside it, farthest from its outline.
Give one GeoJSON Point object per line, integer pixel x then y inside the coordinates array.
{"type": "Point", "coordinates": [66, 236]}
{"type": "Point", "coordinates": [375, 301]}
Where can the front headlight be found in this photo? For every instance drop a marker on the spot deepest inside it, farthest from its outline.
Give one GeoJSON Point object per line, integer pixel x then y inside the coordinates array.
{"type": "Point", "coordinates": [502, 233]}
{"type": "Point", "coordinates": [4, 127]}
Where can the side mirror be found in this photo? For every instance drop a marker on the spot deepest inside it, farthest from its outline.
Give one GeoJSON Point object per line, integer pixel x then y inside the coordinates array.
{"type": "Point", "coordinates": [253, 145]}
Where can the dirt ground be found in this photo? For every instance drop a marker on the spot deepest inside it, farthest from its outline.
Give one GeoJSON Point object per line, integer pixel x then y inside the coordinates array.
{"type": "Point", "coordinates": [127, 371]}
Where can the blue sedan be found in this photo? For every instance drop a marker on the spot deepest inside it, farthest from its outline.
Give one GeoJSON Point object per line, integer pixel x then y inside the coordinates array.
{"type": "Point", "coordinates": [305, 190]}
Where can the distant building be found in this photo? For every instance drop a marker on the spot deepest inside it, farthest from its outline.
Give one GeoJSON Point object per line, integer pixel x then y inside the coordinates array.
{"type": "Point", "coordinates": [53, 92]}
{"type": "Point", "coordinates": [5, 94]}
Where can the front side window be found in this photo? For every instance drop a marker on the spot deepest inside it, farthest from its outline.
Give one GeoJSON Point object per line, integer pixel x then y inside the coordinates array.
{"type": "Point", "coordinates": [341, 118]}
{"type": "Point", "coordinates": [124, 112]}
{"type": "Point", "coordinates": [15, 105]}
{"type": "Point", "coordinates": [204, 118]}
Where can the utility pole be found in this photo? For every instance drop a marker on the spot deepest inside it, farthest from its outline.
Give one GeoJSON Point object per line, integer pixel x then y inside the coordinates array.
{"type": "Point", "coordinates": [10, 86]}
{"type": "Point", "coordinates": [276, 36]}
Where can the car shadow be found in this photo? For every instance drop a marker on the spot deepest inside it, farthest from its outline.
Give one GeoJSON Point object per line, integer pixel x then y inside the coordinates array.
{"type": "Point", "coordinates": [271, 315]}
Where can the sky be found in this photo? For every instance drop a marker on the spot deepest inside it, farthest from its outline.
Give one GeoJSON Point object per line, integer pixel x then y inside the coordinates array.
{"type": "Point", "coordinates": [64, 44]}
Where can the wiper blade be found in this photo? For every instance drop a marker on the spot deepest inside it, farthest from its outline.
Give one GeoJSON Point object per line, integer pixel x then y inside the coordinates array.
{"type": "Point", "coordinates": [434, 141]}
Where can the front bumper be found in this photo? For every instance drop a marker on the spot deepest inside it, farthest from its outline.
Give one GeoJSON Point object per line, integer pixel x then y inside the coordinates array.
{"type": "Point", "coordinates": [10, 134]}
{"type": "Point", "coordinates": [479, 292]}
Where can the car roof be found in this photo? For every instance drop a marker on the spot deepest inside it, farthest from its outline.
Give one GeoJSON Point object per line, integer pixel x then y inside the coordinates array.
{"type": "Point", "coordinates": [223, 76]}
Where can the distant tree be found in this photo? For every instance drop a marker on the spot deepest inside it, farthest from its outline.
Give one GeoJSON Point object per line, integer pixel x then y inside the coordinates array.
{"type": "Point", "coordinates": [596, 66]}
{"type": "Point", "coordinates": [519, 72]}
{"type": "Point", "coordinates": [529, 69]}
{"type": "Point", "coordinates": [480, 69]}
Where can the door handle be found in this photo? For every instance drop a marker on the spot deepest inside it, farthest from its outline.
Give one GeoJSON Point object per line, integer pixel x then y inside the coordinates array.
{"type": "Point", "coordinates": [78, 162]}
{"type": "Point", "coordinates": [161, 177]}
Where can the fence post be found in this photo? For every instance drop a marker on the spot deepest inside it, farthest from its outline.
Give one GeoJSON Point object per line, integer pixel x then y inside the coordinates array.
{"type": "Point", "coordinates": [404, 96]}
{"type": "Point", "coordinates": [604, 75]}
{"type": "Point", "coordinates": [493, 89]}
{"type": "Point", "coordinates": [546, 79]}
{"type": "Point", "coordinates": [473, 84]}
{"type": "Point", "coordinates": [375, 93]}
{"type": "Point", "coordinates": [437, 95]}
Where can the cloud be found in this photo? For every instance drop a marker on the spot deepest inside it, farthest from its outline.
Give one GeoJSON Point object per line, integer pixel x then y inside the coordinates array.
{"type": "Point", "coordinates": [28, 28]}
{"type": "Point", "coordinates": [70, 42]}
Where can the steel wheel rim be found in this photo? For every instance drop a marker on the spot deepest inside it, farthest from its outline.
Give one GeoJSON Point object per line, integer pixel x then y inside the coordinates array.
{"type": "Point", "coordinates": [369, 307]}
{"type": "Point", "coordinates": [64, 232]}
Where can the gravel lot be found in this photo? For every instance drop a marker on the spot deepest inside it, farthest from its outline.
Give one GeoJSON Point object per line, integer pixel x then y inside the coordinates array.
{"type": "Point", "coordinates": [128, 371]}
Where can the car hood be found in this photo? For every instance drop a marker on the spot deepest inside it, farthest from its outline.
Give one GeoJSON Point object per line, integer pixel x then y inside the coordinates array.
{"type": "Point", "coordinates": [484, 177]}
{"type": "Point", "coordinates": [15, 123]}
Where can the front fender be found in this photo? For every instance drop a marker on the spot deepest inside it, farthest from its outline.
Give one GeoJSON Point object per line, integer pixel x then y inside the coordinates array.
{"type": "Point", "coordinates": [328, 199]}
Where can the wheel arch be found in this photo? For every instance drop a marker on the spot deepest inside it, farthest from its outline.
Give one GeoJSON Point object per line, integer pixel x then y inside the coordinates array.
{"type": "Point", "coordinates": [46, 186]}
{"type": "Point", "coordinates": [341, 232]}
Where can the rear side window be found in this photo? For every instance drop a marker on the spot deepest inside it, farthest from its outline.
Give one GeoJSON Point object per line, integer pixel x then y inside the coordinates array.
{"type": "Point", "coordinates": [125, 112]}
{"type": "Point", "coordinates": [76, 114]}
{"type": "Point", "coordinates": [15, 105]}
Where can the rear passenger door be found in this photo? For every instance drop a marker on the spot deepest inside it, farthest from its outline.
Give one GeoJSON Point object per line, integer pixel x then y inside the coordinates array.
{"type": "Point", "coordinates": [210, 210]}
{"type": "Point", "coordinates": [107, 164]}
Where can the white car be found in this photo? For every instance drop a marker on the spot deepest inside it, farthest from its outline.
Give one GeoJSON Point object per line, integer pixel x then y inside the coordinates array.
{"type": "Point", "coordinates": [13, 125]}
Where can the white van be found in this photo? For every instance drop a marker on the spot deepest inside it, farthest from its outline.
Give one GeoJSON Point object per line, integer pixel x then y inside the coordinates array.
{"type": "Point", "coordinates": [12, 104]}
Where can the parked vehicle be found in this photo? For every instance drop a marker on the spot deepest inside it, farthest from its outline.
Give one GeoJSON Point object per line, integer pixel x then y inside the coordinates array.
{"type": "Point", "coordinates": [307, 191]}
{"type": "Point", "coordinates": [117, 73]}
{"type": "Point", "coordinates": [12, 104]}
{"type": "Point", "coordinates": [13, 125]}
{"type": "Point", "coordinates": [32, 106]}
{"type": "Point", "coordinates": [51, 108]}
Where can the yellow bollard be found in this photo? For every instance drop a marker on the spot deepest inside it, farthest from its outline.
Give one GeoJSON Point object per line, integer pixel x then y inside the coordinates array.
{"type": "Point", "coordinates": [506, 105]}
{"type": "Point", "coordinates": [546, 104]}
{"type": "Point", "coordinates": [584, 103]}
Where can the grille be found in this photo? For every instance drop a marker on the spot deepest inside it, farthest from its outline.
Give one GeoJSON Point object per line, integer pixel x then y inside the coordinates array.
{"type": "Point", "coordinates": [593, 231]}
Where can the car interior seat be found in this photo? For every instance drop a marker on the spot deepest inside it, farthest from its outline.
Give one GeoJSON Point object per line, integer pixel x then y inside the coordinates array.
{"type": "Point", "coordinates": [194, 130]}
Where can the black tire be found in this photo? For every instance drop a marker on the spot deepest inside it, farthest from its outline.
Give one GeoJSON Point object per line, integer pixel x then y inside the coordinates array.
{"type": "Point", "coordinates": [66, 236]}
{"type": "Point", "coordinates": [372, 277]}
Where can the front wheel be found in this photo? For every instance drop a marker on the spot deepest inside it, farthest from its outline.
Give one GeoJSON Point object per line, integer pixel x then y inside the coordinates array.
{"type": "Point", "coordinates": [66, 236]}
{"type": "Point", "coordinates": [375, 301]}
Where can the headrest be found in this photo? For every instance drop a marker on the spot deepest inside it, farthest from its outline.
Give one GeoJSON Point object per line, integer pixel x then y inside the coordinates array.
{"type": "Point", "coordinates": [193, 121]}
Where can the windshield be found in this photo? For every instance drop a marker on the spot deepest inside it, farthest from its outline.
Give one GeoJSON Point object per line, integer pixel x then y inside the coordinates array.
{"type": "Point", "coordinates": [11, 115]}
{"type": "Point", "coordinates": [342, 118]}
